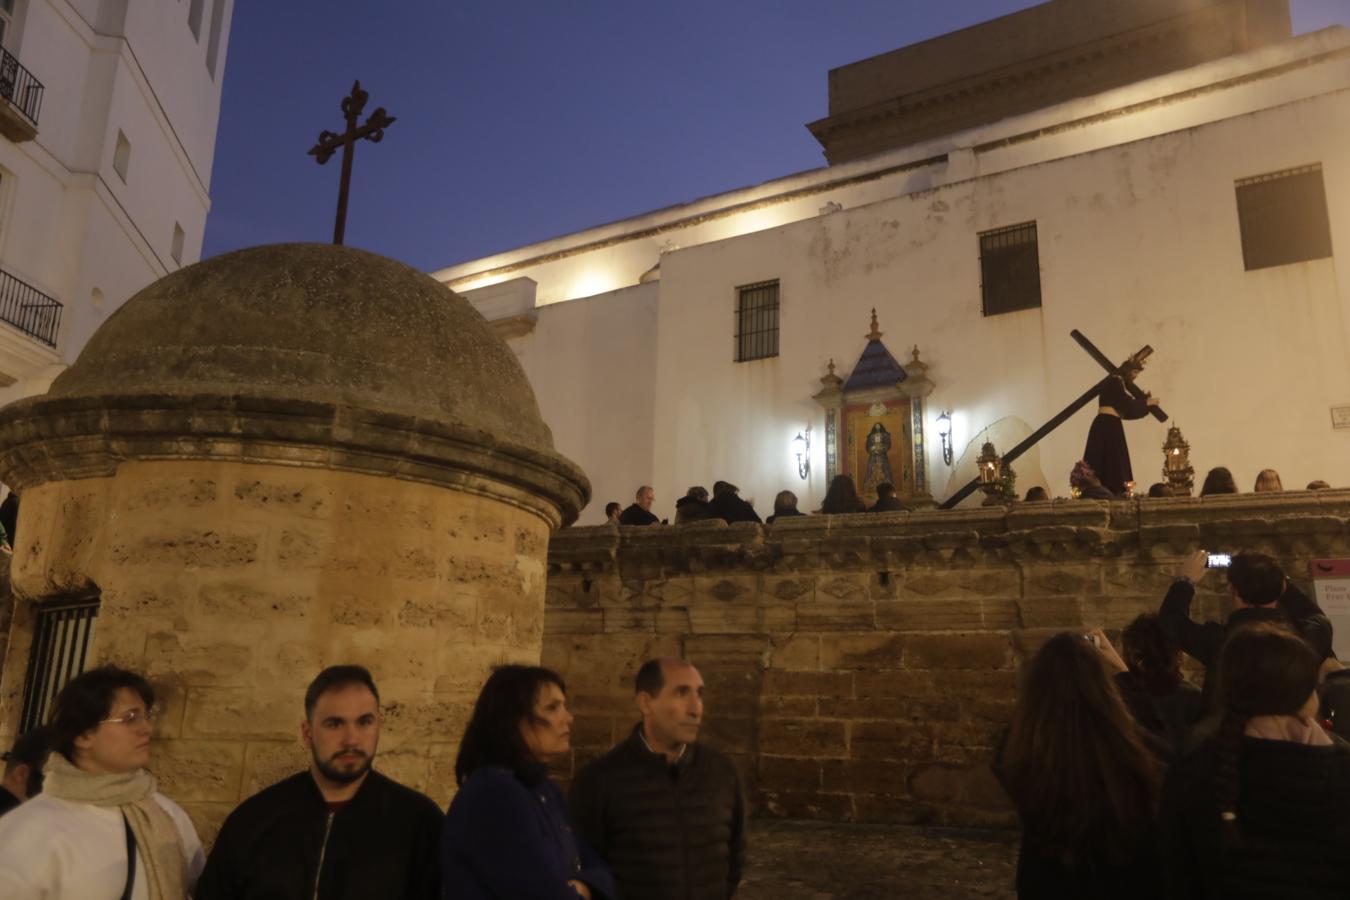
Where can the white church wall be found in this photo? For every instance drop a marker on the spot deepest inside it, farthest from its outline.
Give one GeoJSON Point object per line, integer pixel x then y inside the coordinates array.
{"type": "Point", "coordinates": [593, 367]}
{"type": "Point", "coordinates": [1138, 244]}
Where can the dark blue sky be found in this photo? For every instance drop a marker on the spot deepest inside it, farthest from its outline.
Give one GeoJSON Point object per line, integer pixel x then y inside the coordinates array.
{"type": "Point", "coordinates": [520, 120]}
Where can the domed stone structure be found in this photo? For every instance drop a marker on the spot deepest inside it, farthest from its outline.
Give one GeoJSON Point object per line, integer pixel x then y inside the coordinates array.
{"type": "Point", "coordinates": [275, 460]}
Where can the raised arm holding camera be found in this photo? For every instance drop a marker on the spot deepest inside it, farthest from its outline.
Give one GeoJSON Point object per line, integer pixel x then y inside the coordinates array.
{"type": "Point", "coordinates": [1260, 592]}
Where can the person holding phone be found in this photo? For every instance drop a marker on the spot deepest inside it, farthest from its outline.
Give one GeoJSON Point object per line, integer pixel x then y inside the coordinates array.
{"type": "Point", "coordinates": [1260, 593]}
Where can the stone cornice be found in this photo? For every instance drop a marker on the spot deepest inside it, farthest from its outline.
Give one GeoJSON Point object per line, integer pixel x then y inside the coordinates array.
{"type": "Point", "coordinates": [44, 439]}
{"type": "Point", "coordinates": [1302, 524]}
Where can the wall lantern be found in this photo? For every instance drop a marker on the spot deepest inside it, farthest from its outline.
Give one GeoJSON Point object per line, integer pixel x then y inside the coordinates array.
{"type": "Point", "coordinates": [1177, 467]}
{"type": "Point", "coordinates": [801, 448]}
{"type": "Point", "coordinates": [991, 473]}
{"type": "Point", "coordinates": [944, 429]}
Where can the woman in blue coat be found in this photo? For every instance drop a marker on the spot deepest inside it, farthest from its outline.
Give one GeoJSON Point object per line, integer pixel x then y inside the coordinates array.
{"type": "Point", "coordinates": [508, 835]}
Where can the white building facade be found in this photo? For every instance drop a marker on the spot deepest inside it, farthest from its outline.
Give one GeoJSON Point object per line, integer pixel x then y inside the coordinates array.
{"type": "Point", "coordinates": [1162, 214]}
{"type": "Point", "coordinates": [108, 115]}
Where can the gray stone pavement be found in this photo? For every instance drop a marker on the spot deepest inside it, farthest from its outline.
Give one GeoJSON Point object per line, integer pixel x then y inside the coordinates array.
{"type": "Point", "coordinates": [821, 861]}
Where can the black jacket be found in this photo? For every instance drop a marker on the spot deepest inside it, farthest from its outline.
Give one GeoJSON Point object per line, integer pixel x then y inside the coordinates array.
{"type": "Point", "coordinates": [690, 509]}
{"type": "Point", "coordinates": [731, 508]}
{"type": "Point", "coordinates": [1167, 711]}
{"type": "Point", "coordinates": [1202, 641]}
{"type": "Point", "coordinates": [382, 844]}
{"type": "Point", "coordinates": [1291, 809]}
{"type": "Point", "coordinates": [1335, 693]}
{"type": "Point", "coordinates": [636, 515]}
{"type": "Point", "coordinates": [887, 504]}
{"type": "Point", "coordinates": [667, 832]}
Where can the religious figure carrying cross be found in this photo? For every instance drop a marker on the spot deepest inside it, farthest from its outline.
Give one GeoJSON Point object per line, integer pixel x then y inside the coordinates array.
{"type": "Point", "coordinates": [329, 142]}
{"type": "Point", "coordinates": [1117, 388]}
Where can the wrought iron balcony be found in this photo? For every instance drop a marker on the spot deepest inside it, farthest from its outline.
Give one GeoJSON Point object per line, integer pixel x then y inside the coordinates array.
{"type": "Point", "coordinates": [29, 310]}
{"type": "Point", "coordinates": [19, 116]}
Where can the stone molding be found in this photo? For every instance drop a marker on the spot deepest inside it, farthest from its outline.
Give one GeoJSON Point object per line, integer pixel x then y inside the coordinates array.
{"type": "Point", "coordinates": [45, 439]}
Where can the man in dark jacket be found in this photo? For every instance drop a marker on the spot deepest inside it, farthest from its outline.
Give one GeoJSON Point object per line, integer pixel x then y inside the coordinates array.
{"type": "Point", "coordinates": [666, 813]}
{"type": "Point", "coordinates": [23, 769]}
{"type": "Point", "coordinates": [640, 513]}
{"type": "Point", "coordinates": [728, 506]}
{"type": "Point", "coordinates": [887, 501]}
{"type": "Point", "coordinates": [339, 831]}
{"type": "Point", "coordinates": [1260, 592]}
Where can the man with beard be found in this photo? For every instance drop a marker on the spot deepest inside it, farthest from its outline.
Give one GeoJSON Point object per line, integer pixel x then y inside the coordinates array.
{"type": "Point", "coordinates": [339, 831]}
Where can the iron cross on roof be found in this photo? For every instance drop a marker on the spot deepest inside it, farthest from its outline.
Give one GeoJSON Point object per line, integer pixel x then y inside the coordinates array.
{"type": "Point", "coordinates": [329, 142]}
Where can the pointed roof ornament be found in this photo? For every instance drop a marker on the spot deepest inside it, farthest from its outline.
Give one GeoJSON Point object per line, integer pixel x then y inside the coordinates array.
{"type": "Point", "coordinates": [875, 333]}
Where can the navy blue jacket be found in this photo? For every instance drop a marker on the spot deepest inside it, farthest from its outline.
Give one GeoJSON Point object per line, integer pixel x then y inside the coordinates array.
{"type": "Point", "coordinates": [507, 840]}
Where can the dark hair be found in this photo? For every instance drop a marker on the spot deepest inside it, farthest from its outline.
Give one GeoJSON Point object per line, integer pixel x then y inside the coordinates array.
{"type": "Point", "coordinates": [1318, 485]}
{"type": "Point", "coordinates": [1149, 653]}
{"type": "Point", "coordinates": [1218, 481]}
{"type": "Point", "coordinates": [30, 750]}
{"type": "Point", "coordinates": [724, 487]}
{"type": "Point", "coordinates": [1037, 493]}
{"type": "Point", "coordinates": [1157, 489]}
{"type": "Point", "coordinates": [335, 677]}
{"type": "Point", "coordinates": [492, 737]}
{"type": "Point", "coordinates": [1257, 578]}
{"type": "Point", "coordinates": [885, 489]}
{"type": "Point", "coordinates": [842, 497]}
{"type": "Point", "coordinates": [1263, 670]}
{"type": "Point", "coordinates": [784, 502]}
{"type": "Point", "coordinates": [87, 700]}
{"type": "Point", "coordinates": [650, 678]}
{"type": "Point", "coordinates": [1084, 785]}
{"type": "Point", "coordinates": [611, 508]}
{"type": "Point", "coordinates": [698, 492]}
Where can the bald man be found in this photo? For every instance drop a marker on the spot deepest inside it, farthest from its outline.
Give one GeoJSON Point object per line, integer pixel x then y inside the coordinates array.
{"type": "Point", "coordinates": [666, 813]}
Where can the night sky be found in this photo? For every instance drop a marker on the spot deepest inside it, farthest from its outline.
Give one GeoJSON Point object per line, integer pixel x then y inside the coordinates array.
{"type": "Point", "coordinates": [521, 121]}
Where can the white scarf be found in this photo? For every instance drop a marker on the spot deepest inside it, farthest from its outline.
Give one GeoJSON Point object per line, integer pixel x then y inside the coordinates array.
{"type": "Point", "coordinates": [132, 793]}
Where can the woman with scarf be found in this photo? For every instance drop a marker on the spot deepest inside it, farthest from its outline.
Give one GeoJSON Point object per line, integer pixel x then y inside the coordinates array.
{"type": "Point", "coordinates": [1259, 809]}
{"type": "Point", "coordinates": [100, 828]}
{"type": "Point", "coordinates": [508, 835]}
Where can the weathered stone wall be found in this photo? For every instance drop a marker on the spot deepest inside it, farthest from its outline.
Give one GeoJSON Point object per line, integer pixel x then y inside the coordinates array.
{"type": "Point", "coordinates": [231, 585]}
{"type": "Point", "coordinates": [862, 667]}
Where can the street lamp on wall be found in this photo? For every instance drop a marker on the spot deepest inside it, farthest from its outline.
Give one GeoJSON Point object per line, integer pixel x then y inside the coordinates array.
{"type": "Point", "coordinates": [944, 428]}
{"type": "Point", "coordinates": [801, 447]}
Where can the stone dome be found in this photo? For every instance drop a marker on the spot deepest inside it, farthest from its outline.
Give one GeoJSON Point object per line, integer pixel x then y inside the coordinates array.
{"type": "Point", "coordinates": [299, 331]}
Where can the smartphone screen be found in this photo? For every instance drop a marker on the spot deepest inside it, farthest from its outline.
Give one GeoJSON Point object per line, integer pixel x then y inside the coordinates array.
{"type": "Point", "coordinates": [1219, 561]}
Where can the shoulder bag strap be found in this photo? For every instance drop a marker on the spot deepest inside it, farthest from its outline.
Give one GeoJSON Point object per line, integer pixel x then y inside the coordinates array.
{"type": "Point", "coordinates": [131, 859]}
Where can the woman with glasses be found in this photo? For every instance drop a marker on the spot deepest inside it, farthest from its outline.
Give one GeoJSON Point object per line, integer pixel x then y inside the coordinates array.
{"type": "Point", "coordinates": [508, 835]}
{"type": "Point", "coordinates": [100, 828]}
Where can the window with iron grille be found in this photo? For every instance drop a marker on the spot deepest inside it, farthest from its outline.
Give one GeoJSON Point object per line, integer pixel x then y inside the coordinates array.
{"type": "Point", "coordinates": [757, 321]}
{"type": "Point", "coordinates": [61, 639]}
{"type": "Point", "coordinates": [1283, 218]}
{"type": "Point", "coordinates": [1010, 269]}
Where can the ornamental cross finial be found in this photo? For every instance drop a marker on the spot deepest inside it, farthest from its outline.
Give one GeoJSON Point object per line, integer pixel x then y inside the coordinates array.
{"type": "Point", "coordinates": [329, 142]}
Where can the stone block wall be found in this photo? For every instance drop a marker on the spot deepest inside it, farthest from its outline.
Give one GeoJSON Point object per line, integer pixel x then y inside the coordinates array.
{"type": "Point", "coordinates": [862, 668]}
{"type": "Point", "coordinates": [231, 585]}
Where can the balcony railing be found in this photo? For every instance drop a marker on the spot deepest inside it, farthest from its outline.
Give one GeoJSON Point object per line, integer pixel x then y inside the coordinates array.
{"type": "Point", "coordinates": [29, 310]}
{"type": "Point", "coordinates": [19, 87]}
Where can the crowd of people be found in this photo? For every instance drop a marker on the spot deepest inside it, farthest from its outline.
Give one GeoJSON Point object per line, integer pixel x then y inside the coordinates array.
{"type": "Point", "coordinates": [659, 817]}
{"type": "Point", "coordinates": [726, 504]}
{"type": "Point", "coordinates": [842, 497]}
{"type": "Point", "coordinates": [1132, 782]}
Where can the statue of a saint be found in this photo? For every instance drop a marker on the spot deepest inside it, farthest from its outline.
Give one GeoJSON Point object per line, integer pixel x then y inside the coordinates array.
{"type": "Point", "coordinates": [878, 461]}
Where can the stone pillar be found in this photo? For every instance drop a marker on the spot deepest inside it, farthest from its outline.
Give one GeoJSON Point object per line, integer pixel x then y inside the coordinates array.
{"type": "Point", "coordinates": [277, 460]}
{"type": "Point", "coordinates": [917, 387]}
